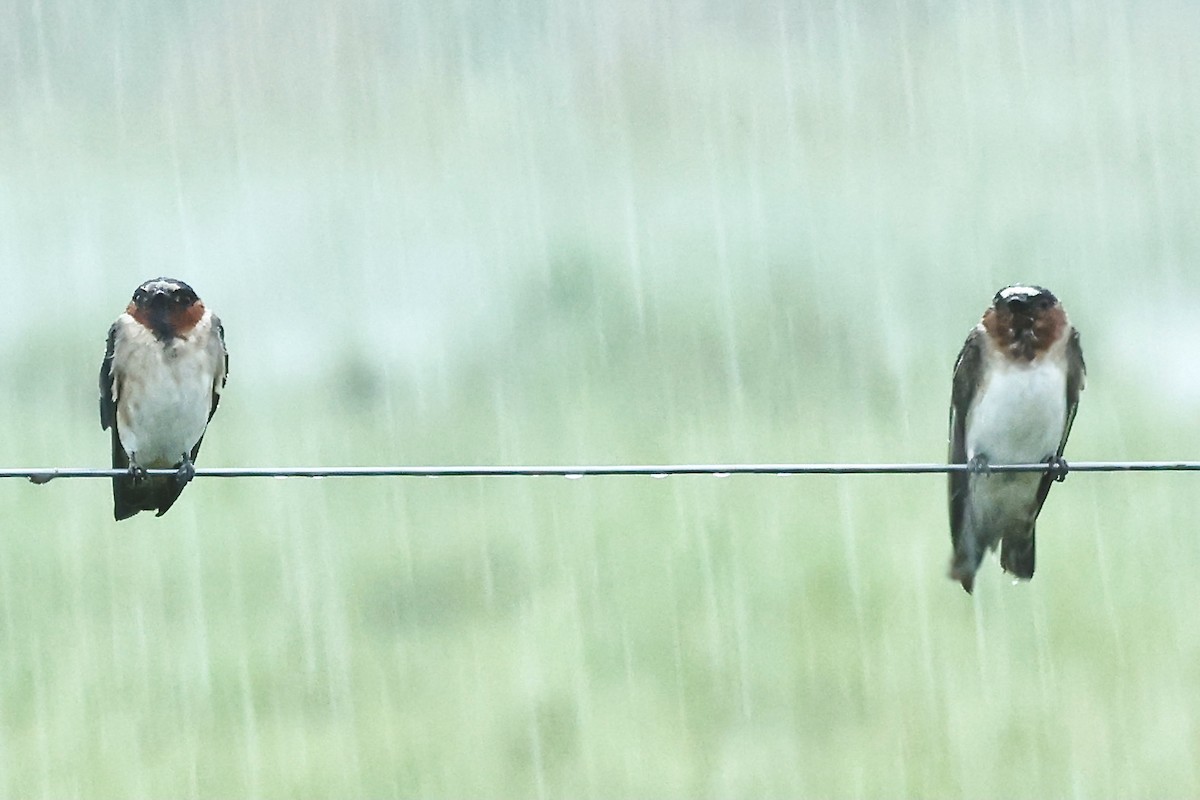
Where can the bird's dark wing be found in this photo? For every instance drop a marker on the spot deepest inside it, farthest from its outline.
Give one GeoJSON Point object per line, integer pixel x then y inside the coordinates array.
{"type": "Point", "coordinates": [108, 421]}
{"type": "Point", "coordinates": [127, 495]}
{"type": "Point", "coordinates": [1076, 373]}
{"type": "Point", "coordinates": [966, 382]}
{"type": "Point", "coordinates": [222, 374]}
{"type": "Point", "coordinates": [218, 380]}
{"type": "Point", "coordinates": [108, 402]}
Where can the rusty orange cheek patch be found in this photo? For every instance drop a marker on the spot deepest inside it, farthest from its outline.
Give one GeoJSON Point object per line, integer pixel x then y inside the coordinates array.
{"type": "Point", "coordinates": [184, 320]}
{"type": "Point", "coordinates": [999, 327]}
{"type": "Point", "coordinates": [1046, 329]}
{"type": "Point", "coordinates": [138, 314]}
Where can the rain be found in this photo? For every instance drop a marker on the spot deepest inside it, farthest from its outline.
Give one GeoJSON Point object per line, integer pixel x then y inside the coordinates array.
{"type": "Point", "coordinates": [577, 232]}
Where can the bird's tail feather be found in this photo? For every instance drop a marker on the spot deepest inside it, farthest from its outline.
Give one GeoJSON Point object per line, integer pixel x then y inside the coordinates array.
{"type": "Point", "coordinates": [965, 563]}
{"type": "Point", "coordinates": [1017, 555]}
{"type": "Point", "coordinates": [156, 493]}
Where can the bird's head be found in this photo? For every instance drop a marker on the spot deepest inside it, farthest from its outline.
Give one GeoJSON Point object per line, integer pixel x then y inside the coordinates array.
{"type": "Point", "coordinates": [1025, 320]}
{"type": "Point", "coordinates": [166, 306]}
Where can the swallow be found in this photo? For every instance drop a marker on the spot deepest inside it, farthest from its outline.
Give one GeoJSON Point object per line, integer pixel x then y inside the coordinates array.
{"type": "Point", "coordinates": [160, 382]}
{"type": "Point", "coordinates": [1016, 389]}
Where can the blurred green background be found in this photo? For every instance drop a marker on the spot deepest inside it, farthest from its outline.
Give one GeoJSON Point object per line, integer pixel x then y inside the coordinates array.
{"type": "Point", "coordinates": [483, 232]}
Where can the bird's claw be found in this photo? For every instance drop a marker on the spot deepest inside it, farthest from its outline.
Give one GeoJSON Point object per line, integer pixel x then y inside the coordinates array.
{"type": "Point", "coordinates": [186, 471]}
{"type": "Point", "coordinates": [978, 465]}
{"type": "Point", "coordinates": [136, 471]}
{"type": "Point", "coordinates": [1058, 468]}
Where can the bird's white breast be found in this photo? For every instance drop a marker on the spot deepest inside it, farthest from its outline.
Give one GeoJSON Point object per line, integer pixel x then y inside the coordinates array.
{"type": "Point", "coordinates": [1020, 410]}
{"type": "Point", "coordinates": [164, 391]}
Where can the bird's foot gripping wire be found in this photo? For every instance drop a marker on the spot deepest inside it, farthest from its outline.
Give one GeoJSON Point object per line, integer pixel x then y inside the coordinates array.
{"type": "Point", "coordinates": [186, 471]}
{"type": "Point", "coordinates": [1058, 468]}
{"type": "Point", "coordinates": [978, 465]}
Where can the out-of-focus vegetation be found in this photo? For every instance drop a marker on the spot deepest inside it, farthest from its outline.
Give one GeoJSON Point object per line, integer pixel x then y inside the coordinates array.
{"type": "Point", "coordinates": [596, 233]}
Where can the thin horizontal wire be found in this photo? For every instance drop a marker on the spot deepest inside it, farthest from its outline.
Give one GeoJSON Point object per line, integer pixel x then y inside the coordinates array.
{"type": "Point", "coordinates": [42, 475]}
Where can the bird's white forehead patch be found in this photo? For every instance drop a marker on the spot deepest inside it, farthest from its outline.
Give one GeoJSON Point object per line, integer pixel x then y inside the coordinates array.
{"type": "Point", "coordinates": [1019, 290]}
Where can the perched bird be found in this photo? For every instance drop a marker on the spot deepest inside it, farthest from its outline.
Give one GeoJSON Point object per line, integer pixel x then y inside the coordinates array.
{"type": "Point", "coordinates": [1016, 388]}
{"type": "Point", "coordinates": [160, 382]}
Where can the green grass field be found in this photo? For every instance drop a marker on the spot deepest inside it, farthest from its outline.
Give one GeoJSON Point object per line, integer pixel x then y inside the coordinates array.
{"type": "Point", "coordinates": [586, 234]}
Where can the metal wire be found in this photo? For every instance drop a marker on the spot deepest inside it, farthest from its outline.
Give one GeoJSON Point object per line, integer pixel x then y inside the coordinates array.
{"type": "Point", "coordinates": [43, 475]}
